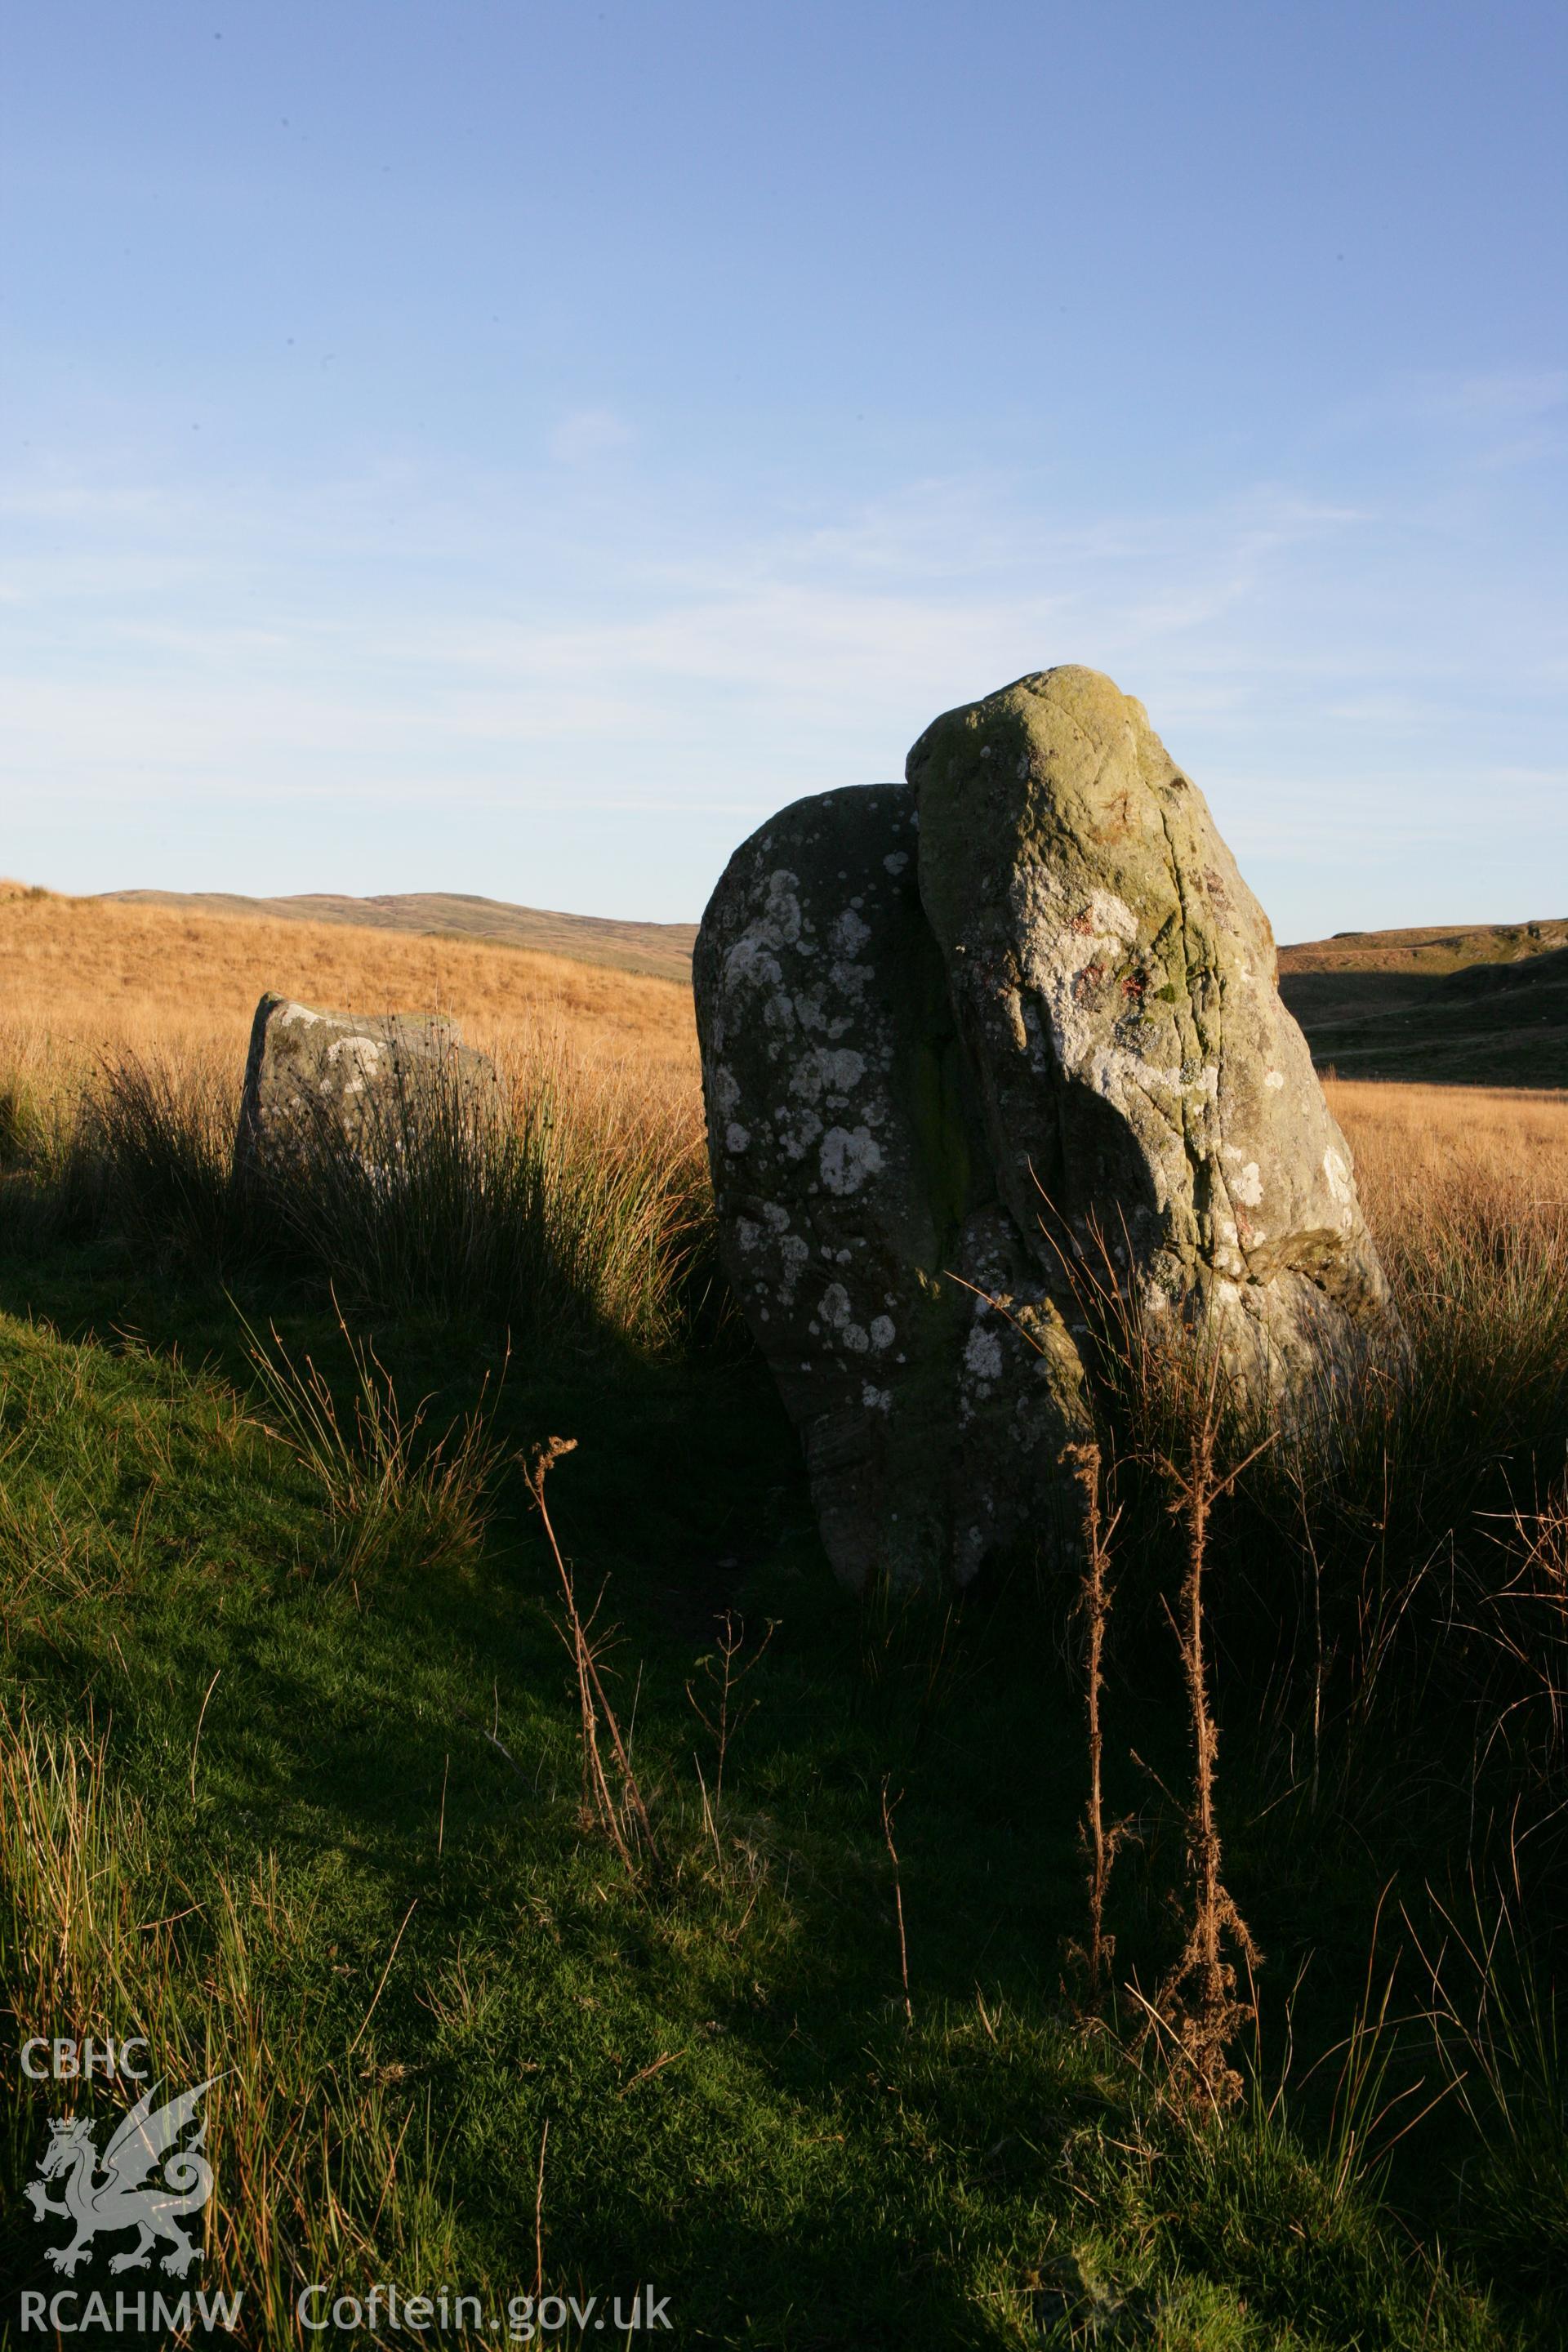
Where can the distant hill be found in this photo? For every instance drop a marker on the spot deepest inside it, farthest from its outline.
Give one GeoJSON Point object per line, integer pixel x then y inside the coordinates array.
{"type": "Point", "coordinates": [1460, 1005]}
{"type": "Point", "coordinates": [1483, 1004]}
{"type": "Point", "coordinates": [662, 949]}
{"type": "Point", "coordinates": [1448, 948]}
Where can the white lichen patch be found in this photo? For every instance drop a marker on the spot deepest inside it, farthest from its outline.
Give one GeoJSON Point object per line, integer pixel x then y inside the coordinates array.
{"type": "Point", "coordinates": [795, 1256]}
{"type": "Point", "coordinates": [837, 1313]}
{"type": "Point", "coordinates": [797, 1135]}
{"type": "Point", "coordinates": [354, 1061]}
{"type": "Point", "coordinates": [831, 1070]}
{"type": "Point", "coordinates": [851, 980]}
{"type": "Point", "coordinates": [1073, 954]}
{"type": "Point", "coordinates": [1341, 1190]}
{"type": "Point", "coordinates": [752, 963]}
{"type": "Point", "coordinates": [1244, 1184]}
{"type": "Point", "coordinates": [849, 1156]}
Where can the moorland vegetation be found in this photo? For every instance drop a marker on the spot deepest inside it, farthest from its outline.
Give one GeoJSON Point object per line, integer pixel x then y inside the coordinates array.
{"type": "Point", "coordinates": [574, 1888]}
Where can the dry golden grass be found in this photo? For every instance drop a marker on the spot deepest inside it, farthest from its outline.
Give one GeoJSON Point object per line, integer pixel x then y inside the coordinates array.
{"type": "Point", "coordinates": [123, 1032]}
{"type": "Point", "coordinates": [81, 978]}
{"type": "Point", "coordinates": [1424, 1153]}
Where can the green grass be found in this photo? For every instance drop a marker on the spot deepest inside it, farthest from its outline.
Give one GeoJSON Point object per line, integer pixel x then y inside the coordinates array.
{"type": "Point", "coordinates": [291, 1780]}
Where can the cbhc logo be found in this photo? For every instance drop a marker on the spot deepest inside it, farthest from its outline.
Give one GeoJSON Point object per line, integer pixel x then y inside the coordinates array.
{"type": "Point", "coordinates": [70, 2062]}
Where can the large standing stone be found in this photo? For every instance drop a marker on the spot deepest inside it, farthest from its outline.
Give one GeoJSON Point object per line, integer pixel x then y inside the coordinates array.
{"type": "Point", "coordinates": [970, 1041]}
{"type": "Point", "coordinates": [1146, 1093]}
{"type": "Point", "coordinates": [853, 1183]}
{"type": "Point", "coordinates": [330, 1081]}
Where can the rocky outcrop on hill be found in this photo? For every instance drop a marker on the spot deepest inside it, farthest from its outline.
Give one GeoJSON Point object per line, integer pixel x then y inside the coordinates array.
{"type": "Point", "coordinates": [334, 1081]}
{"type": "Point", "coordinates": [962, 1036]}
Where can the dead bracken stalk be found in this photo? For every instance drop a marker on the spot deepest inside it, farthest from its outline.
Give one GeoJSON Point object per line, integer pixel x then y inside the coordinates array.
{"type": "Point", "coordinates": [725, 1712]}
{"type": "Point", "coordinates": [1199, 2003]}
{"type": "Point", "coordinates": [1100, 1842]}
{"type": "Point", "coordinates": [619, 1810]}
{"type": "Point", "coordinates": [888, 1812]}
{"type": "Point", "coordinates": [725, 1679]}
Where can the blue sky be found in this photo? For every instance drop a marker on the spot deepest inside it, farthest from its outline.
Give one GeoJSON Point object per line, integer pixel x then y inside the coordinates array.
{"type": "Point", "coordinates": [514, 448]}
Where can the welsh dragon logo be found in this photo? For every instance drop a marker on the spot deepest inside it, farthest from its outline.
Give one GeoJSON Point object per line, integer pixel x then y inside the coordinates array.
{"type": "Point", "coordinates": [114, 2193]}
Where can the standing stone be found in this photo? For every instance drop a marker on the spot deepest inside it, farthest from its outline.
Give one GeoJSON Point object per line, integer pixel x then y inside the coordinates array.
{"type": "Point", "coordinates": [328, 1082]}
{"type": "Point", "coordinates": [853, 1183]}
{"type": "Point", "coordinates": [969, 1041]}
{"type": "Point", "coordinates": [1146, 1094]}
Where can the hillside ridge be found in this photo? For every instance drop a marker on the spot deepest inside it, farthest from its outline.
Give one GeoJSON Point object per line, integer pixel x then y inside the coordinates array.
{"type": "Point", "coordinates": [1483, 1004]}
{"type": "Point", "coordinates": [662, 950]}
{"type": "Point", "coordinates": [1435, 948]}
{"type": "Point", "coordinates": [1479, 1003]}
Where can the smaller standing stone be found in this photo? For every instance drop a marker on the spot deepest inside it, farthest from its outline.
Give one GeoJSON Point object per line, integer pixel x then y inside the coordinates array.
{"type": "Point", "coordinates": [317, 1081]}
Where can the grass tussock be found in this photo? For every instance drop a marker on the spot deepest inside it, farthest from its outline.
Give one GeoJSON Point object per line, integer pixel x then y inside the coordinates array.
{"type": "Point", "coordinates": [581, 1213]}
{"type": "Point", "coordinates": [1500, 2033]}
{"type": "Point", "coordinates": [391, 1492]}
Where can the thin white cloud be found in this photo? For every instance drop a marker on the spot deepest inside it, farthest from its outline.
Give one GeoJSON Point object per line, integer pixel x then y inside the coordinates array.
{"type": "Point", "coordinates": [589, 433]}
{"type": "Point", "coordinates": [550, 644]}
{"type": "Point", "coordinates": [1505, 392]}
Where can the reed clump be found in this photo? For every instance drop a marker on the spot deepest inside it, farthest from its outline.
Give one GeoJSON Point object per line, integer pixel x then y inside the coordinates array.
{"type": "Point", "coordinates": [581, 1213]}
{"type": "Point", "coordinates": [391, 1491]}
